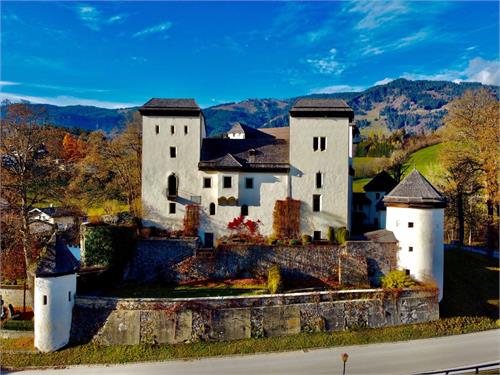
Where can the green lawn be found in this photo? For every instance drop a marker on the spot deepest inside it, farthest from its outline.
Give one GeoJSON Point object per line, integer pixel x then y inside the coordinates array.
{"type": "Point", "coordinates": [470, 285]}
{"type": "Point", "coordinates": [427, 161]}
{"type": "Point", "coordinates": [359, 183]}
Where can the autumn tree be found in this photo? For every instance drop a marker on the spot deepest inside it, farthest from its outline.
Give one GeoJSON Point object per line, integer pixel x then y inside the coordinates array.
{"type": "Point", "coordinates": [398, 164]}
{"type": "Point", "coordinates": [472, 125]}
{"type": "Point", "coordinates": [30, 173]}
{"type": "Point", "coordinates": [73, 148]}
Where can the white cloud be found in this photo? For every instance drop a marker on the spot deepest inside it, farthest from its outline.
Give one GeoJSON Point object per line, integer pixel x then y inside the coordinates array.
{"type": "Point", "coordinates": [384, 81]}
{"type": "Point", "coordinates": [118, 18]}
{"type": "Point", "coordinates": [90, 16]}
{"type": "Point", "coordinates": [375, 14]}
{"type": "Point", "coordinates": [8, 83]}
{"type": "Point", "coordinates": [154, 29]}
{"type": "Point", "coordinates": [335, 89]}
{"type": "Point", "coordinates": [328, 64]}
{"type": "Point", "coordinates": [64, 101]}
{"type": "Point", "coordinates": [407, 41]}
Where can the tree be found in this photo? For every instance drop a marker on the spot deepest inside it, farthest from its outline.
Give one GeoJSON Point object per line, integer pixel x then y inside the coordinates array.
{"type": "Point", "coordinates": [472, 123]}
{"type": "Point", "coordinates": [398, 164]}
{"type": "Point", "coordinates": [30, 173]}
{"type": "Point", "coordinates": [73, 148]}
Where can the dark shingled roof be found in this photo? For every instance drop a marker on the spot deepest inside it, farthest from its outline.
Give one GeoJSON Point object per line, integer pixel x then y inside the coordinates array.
{"type": "Point", "coordinates": [260, 154]}
{"type": "Point", "coordinates": [249, 132]}
{"type": "Point", "coordinates": [381, 182]}
{"type": "Point", "coordinates": [381, 236]}
{"type": "Point", "coordinates": [159, 106]}
{"type": "Point", "coordinates": [415, 191]}
{"type": "Point", "coordinates": [319, 107]}
{"type": "Point", "coordinates": [360, 198]}
{"type": "Point", "coordinates": [56, 260]}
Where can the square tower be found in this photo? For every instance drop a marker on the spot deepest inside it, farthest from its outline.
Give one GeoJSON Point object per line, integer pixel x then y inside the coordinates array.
{"type": "Point", "coordinates": [172, 132]}
{"type": "Point", "coordinates": [320, 138]}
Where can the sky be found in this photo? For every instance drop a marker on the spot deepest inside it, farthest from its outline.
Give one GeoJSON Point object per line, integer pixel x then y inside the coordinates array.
{"type": "Point", "coordinates": [121, 54]}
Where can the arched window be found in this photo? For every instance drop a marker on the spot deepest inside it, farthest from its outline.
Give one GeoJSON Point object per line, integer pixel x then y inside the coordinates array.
{"type": "Point", "coordinates": [172, 186]}
{"type": "Point", "coordinates": [212, 209]}
{"type": "Point", "coordinates": [244, 210]}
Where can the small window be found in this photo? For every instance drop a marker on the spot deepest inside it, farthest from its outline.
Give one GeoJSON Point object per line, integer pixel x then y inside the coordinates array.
{"type": "Point", "coordinates": [248, 183]}
{"type": "Point", "coordinates": [322, 143]}
{"type": "Point", "coordinates": [244, 210]}
{"type": "Point", "coordinates": [227, 182]}
{"type": "Point", "coordinates": [44, 300]}
{"type": "Point", "coordinates": [317, 235]}
{"type": "Point", "coordinates": [185, 129]}
{"type": "Point", "coordinates": [316, 203]}
{"type": "Point", "coordinates": [69, 296]}
{"type": "Point", "coordinates": [172, 129]}
{"type": "Point", "coordinates": [173, 152]}
{"type": "Point", "coordinates": [319, 179]}
{"type": "Point", "coordinates": [410, 249]}
{"type": "Point", "coordinates": [157, 129]}
{"type": "Point", "coordinates": [407, 272]}
{"type": "Point", "coordinates": [171, 208]}
{"type": "Point", "coordinates": [410, 224]}
{"type": "Point", "coordinates": [207, 182]}
{"type": "Point", "coordinates": [315, 143]}
{"type": "Point", "coordinates": [211, 209]}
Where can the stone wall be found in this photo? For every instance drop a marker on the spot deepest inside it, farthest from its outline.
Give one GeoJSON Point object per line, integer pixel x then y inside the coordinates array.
{"type": "Point", "coordinates": [15, 295]}
{"type": "Point", "coordinates": [112, 321]}
{"type": "Point", "coordinates": [176, 261]}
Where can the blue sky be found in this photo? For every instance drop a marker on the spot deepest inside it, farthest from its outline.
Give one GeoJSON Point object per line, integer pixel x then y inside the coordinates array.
{"type": "Point", "coordinates": [116, 54]}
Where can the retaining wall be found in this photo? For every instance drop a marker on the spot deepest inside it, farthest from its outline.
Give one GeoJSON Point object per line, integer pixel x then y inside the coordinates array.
{"type": "Point", "coordinates": [14, 294]}
{"type": "Point", "coordinates": [112, 321]}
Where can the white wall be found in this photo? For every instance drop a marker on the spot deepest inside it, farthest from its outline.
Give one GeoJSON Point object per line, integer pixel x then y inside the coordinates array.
{"type": "Point", "coordinates": [425, 262]}
{"type": "Point", "coordinates": [53, 320]}
{"type": "Point", "coordinates": [333, 163]}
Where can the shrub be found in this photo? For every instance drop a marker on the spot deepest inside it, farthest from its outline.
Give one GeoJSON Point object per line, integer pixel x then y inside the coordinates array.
{"type": "Point", "coordinates": [397, 279]}
{"type": "Point", "coordinates": [330, 234]}
{"type": "Point", "coordinates": [271, 240]}
{"type": "Point", "coordinates": [293, 242]}
{"type": "Point", "coordinates": [306, 239]}
{"type": "Point", "coordinates": [274, 282]}
{"type": "Point", "coordinates": [341, 235]}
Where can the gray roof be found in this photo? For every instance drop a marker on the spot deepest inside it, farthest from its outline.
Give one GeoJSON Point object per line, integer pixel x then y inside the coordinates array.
{"type": "Point", "coordinates": [321, 107]}
{"type": "Point", "coordinates": [249, 132]}
{"type": "Point", "coordinates": [167, 106]}
{"type": "Point", "coordinates": [381, 236]}
{"type": "Point", "coordinates": [381, 182]}
{"type": "Point", "coordinates": [415, 191]}
{"type": "Point", "coordinates": [56, 260]}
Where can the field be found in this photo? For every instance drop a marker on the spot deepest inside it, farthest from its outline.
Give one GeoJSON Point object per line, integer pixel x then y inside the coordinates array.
{"type": "Point", "coordinates": [427, 162]}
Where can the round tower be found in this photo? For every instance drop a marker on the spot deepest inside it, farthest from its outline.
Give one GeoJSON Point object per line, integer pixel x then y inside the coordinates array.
{"type": "Point", "coordinates": [415, 214]}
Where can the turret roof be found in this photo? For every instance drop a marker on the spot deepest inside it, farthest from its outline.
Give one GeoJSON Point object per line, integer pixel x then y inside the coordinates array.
{"type": "Point", "coordinates": [56, 260]}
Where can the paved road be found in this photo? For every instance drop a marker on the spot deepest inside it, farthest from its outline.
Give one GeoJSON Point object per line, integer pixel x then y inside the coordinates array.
{"type": "Point", "coordinates": [394, 358]}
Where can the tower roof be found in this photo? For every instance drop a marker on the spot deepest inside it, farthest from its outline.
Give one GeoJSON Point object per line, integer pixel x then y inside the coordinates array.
{"type": "Point", "coordinates": [56, 260]}
{"type": "Point", "coordinates": [415, 191]}
{"type": "Point", "coordinates": [321, 107]}
{"type": "Point", "coordinates": [381, 182]}
{"type": "Point", "coordinates": [178, 107]}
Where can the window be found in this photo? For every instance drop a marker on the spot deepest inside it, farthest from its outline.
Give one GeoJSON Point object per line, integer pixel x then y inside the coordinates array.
{"type": "Point", "coordinates": [407, 272]}
{"type": "Point", "coordinates": [171, 208]}
{"type": "Point", "coordinates": [410, 249]}
{"type": "Point", "coordinates": [69, 296]}
{"type": "Point", "coordinates": [173, 152]}
{"type": "Point", "coordinates": [315, 144]}
{"type": "Point", "coordinates": [44, 300]}
{"type": "Point", "coordinates": [248, 183]}
{"type": "Point", "coordinates": [410, 224]}
{"type": "Point", "coordinates": [226, 182]}
{"type": "Point", "coordinates": [316, 203]}
{"type": "Point", "coordinates": [207, 182]}
{"type": "Point", "coordinates": [185, 129]}
{"type": "Point", "coordinates": [172, 186]}
{"type": "Point", "coordinates": [172, 129]}
{"type": "Point", "coordinates": [244, 210]}
{"type": "Point", "coordinates": [317, 235]}
{"type": "Point", "coordinates": [319, 179]}
{"type": "Point", "coordinates": [157, 129]}
{"type": "Point", "coordinates": [322, 143]}
{"type": "Point", "coordinates": [211, 209]}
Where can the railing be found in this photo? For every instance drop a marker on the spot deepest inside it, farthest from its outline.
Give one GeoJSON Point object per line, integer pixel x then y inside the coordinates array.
{"type": "Point", "coordinates": [461, 370]}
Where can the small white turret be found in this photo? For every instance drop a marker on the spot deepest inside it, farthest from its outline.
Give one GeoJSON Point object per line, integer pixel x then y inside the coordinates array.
{"type": "Point", "coordinates": [415, 214]}
{"type": "Point", "coordinates": [55, 289]}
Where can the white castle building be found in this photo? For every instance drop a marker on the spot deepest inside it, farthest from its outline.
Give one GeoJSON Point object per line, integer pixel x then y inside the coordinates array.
{"type": "Point", "coordinates": [245, 173]}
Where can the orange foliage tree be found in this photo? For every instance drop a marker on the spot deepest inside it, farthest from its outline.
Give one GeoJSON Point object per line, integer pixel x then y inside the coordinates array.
{"type": "Point", "coordinates": [286, 218]}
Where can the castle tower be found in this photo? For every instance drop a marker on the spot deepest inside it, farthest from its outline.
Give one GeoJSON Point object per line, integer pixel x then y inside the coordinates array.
{"type": "Point", "coordinates": [415, 214]}
{"type": "Point", "coordinates": [320, 156]}
{"type": "Point", "coordinates": [172, 132]}
{"type": "Point", "coordinates": [54, 297]}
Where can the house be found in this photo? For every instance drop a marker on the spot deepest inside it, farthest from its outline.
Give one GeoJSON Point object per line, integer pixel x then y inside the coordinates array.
{"type": "Point", "coordinates": [249, 170]}
{"type": "Point", "coordinates": [63, 217]}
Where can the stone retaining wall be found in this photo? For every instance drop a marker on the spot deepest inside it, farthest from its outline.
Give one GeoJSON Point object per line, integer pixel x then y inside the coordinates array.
{"type": "Point", "coordinates": [113, 321]}
{"type": "Point", "coordinates": [15, 295]}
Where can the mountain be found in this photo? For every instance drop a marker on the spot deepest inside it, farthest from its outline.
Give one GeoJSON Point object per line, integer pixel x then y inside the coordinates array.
{"type": "Point", "coordinates": [414, 105]}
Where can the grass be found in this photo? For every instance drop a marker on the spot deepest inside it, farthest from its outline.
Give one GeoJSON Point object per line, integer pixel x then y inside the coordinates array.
{"type": "Point", "coordinates": [18, 325]}
{"type": "Point", "coordinates": [107, 208]}
{"type": "Point", "coordinates": [427, 161]}
{"type": "Point", "coordinates": [16, 355]}
{"type": "Point", "coordinates": [359, 183]}
{"type": "Point", "coordinates": [189, 291]}
{"type": "Point", "coordinates": [470, 285]}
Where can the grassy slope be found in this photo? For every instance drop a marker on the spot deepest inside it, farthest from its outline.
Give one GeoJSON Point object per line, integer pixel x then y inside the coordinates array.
{"type": "Point", "coordinates": [427, 161]}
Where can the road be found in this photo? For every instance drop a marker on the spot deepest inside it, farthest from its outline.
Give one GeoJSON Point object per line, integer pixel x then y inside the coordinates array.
{"type": "Point", "coordinates": [391, 358]}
